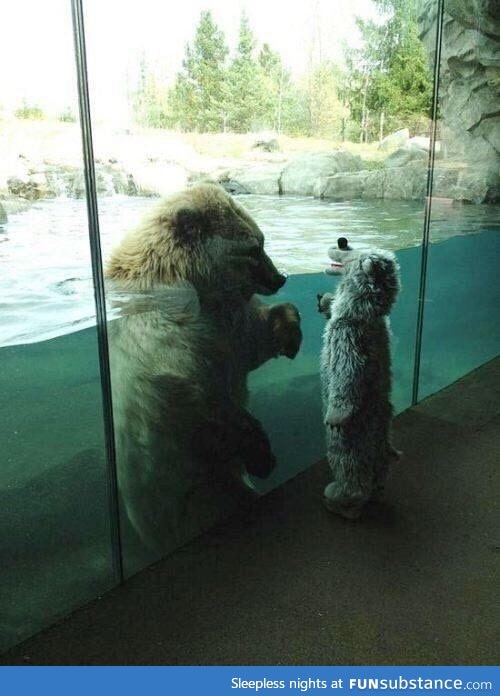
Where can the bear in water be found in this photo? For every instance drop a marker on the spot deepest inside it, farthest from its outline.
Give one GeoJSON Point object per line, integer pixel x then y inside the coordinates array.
{"type": "Point", "coordinates": [190, 331]}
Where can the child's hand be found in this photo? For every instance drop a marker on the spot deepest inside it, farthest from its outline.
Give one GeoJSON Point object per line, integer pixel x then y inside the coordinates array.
{"type": "Point", "coordinates": [324, 301]}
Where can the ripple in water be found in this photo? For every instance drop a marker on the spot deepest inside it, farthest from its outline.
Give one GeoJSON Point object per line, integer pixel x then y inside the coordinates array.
{"type": "Point", "coordinates": [45, 272]}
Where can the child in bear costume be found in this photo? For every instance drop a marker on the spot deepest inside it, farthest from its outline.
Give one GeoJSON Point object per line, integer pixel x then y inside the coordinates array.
{"type": "Point", "coordinates": [356, 376]}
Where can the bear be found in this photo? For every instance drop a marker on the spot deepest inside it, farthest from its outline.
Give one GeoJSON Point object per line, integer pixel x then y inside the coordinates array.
{"type": "Point", "coordinates": [190, 329]}
{"type": "Point", "coordinates": [356, 377]}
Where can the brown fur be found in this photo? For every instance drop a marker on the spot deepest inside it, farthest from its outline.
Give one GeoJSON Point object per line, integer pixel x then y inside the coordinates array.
{"type": "Point", "coordinates": [180, 355]}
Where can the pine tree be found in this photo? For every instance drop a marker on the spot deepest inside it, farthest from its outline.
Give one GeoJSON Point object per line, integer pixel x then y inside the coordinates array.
{"type": "Point", "coordinates": [246, 87]}
{"type": "Point", "coordinates": [389, 78]}
{"type": "Point", "coordinates": [149, 101]}
{"type": "Point", "coordinates": [276, 81]}
{"type": "Point", "coordinates": [326, 111]}
{"type": "Point", "coordinates": [198, 98]}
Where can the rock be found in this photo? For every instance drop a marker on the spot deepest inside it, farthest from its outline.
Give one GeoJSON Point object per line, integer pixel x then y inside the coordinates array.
{"type": "Point", "coordinates": [28, 187]}
{"type": "Point", "coordinates": [308, 173]}
{"type": "Point", "coordinates": [159, 179]}
{"type": "Point", "coordinates": [397, 139]}
{"type": "Point", "coordinates": [374, 184]}
{"type": "Point", "coordinates": [421, 142]}
{"type": "Point", "coordinates": [405, 182]}
{"type": "Point", "coordinates": [469, 92]}
{"type": "Point", "coordinates": [345, 187]}
{"type": "Point", "coordinates": [3, 215]}
{"type": "Point", "coordinates": [13, 205]}
{"type": "Point", "coordinates": [445, 179]}
{"type": "Point", "coordinates": [403, 155]}
{"type": "Point", "coordinates": [233, 187]}
{"type": "Point", "coordinates": [262, 179]}
{"type": "Point", "coordinates": [477, 186]}
{"type": "Point", "coordinates": [270, 145]}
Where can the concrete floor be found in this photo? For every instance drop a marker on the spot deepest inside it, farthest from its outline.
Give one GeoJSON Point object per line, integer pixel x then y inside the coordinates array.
{"type": "Point", "coordinates": [291, 584]}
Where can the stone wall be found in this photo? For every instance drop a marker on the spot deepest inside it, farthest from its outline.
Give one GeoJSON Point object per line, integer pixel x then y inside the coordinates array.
{"type": "Point", "coordinates": [469, 94]}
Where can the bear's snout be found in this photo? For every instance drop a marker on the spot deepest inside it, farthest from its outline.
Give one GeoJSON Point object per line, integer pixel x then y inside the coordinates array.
{"type": "Point", "coordinates": [267, 277]}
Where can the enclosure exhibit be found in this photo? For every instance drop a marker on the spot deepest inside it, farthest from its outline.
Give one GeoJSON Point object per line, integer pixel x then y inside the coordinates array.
{"type": "Point", "coordinates": [375, 121]}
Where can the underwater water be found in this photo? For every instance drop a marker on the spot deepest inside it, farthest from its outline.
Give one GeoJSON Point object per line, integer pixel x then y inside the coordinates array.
{"type": "Point", "coordinates": [55, 543]}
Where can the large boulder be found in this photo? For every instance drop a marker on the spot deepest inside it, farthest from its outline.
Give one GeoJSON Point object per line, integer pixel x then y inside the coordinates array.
{"type": "Point", "coordinates": [422, 142]}
{"type": "Point", "coordinates": [404, 155]}
{"type": "Point", "coordinates": [158, 179]}
{"type": "Point", "coordinates": [31, 186]}
{"type": "Point", "coordinates": [407, 182]}
{"type": "Point", "coordinates": [262, 179]}
{"type": "Point", "coordinates": [308, 173]}
{"type": "Point", "coordinates": [394, 140]}
{"type": "Point", "coordinates": [269, 144]}
{"type": "Point", "coordinates": [469, 92]}
{"type": "Point", "coordinates": [50, 181]}
{"type": "Point", "coordinates": [345, 186]}
{"type": "Point", "coordinates": [13, 205]}
{"type": "Point", "coordinates": [476, 186]}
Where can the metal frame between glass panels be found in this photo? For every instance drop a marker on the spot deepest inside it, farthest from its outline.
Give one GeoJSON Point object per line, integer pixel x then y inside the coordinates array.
{"type": "Point", "coordinates": [98, 280]}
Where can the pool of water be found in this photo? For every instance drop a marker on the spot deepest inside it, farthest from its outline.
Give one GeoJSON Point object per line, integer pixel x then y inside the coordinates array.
{"type": "Point", "coordinates": [45, 273]}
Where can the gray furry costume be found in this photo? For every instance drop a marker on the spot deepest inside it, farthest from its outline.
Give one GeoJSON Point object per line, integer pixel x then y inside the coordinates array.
{"type": "Point", "coordinates": [356, 376]}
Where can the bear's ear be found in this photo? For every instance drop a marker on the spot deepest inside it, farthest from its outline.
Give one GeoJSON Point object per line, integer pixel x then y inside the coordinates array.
{"type": "Point", "coordinates": [188, 224]}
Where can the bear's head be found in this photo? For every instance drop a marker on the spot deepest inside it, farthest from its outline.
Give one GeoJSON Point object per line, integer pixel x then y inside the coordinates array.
{"type": "Point", "coordinates": [202, 236]}
{"type": "Point", "coordinates": [370, 280]}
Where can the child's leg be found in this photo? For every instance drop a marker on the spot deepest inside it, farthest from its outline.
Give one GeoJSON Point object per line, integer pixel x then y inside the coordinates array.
{"type": "Point", "coordinates": [351, 483]}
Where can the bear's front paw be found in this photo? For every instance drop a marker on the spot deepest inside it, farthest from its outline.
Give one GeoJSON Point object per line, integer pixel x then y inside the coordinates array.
{"type": "Point", "coordinates": [336, 415]}
{"type": "Point", "coordinates": [284, 321]}
{"type": "Point", "coordinates": [255, 449]}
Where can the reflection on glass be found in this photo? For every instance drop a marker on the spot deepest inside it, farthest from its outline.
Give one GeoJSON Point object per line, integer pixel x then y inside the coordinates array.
{"type": "Point", "coordinates": [54, 528]}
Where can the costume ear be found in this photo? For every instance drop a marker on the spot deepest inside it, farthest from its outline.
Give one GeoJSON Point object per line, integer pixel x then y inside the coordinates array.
{"type": "Point", "coordinates": [367, 266]}
{"type": "Point", "coordinates": [188, 223]}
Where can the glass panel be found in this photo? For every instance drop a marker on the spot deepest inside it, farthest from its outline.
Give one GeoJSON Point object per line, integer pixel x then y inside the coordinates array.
{"type": "Point", "coordinates": [54, 528]}
{"type": "Point", "coordinates": [319, 131]}
{"type": "Point", "coordinates": [461, 330]}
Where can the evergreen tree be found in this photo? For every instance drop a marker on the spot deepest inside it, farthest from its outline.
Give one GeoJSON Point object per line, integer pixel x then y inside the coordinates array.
{"type": "Point", "coordinates": [198, 98]}
{"type": "Point", "coordinates": [389, 79]}
{"type": "Point", "coordinates": [326, 111]}
{"type": "Point", "coordinates": [246, 88]}
{"type": "Point", "coordinates": [277, 88]}
{"type": "Point", "coordinates": [149, 101]}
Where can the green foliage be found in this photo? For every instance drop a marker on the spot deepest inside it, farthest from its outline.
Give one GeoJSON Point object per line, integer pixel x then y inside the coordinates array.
{"type": "Point", "coordinates": [246, 85]}
{"type": "Point", "coordinates": [326, 111]}
{"type": "Point", "coordinates": [29, 111]}
{"type": "Point", "coordinates": [198, 100]}
{"type": "Point", "coordinates": [389, 80]}
{"type": "Point", "coordinates": [384, 85]}
{"type": "Point", "coordinates": [150, 100]}
{"type": "Point", "coordinates": [277, 94]}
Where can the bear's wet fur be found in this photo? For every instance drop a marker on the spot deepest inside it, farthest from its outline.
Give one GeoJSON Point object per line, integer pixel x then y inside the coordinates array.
{"type": "Point", "coordinates": [190, 331]}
